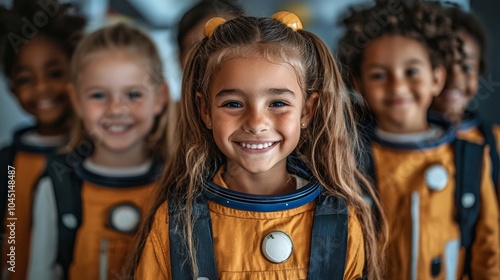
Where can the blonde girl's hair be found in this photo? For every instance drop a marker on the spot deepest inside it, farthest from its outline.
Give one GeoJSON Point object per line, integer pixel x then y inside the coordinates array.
{"type": "Point", "coordinates": [124, 38]}
{"type": "Point", "coordinates": [327, 145]}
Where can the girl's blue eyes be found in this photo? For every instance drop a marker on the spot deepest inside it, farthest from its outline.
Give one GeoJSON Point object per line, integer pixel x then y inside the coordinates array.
{"type": "Point", "coordinates": [133, 95]}
{"type": "Point", "coordinates": [234, 104]}
{"type": "Point", "coordinates": [277, 104]}
{"type": "Point", "coordinates": [97, 95]}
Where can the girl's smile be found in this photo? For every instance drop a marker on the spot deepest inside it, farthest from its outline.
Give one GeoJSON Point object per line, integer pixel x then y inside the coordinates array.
{"type": "Point", "coordinates": [255, 113]}
{"type": "Point", "coordinates": [116, 104]}
{"type": "Point", "coordinates": [399, 83]}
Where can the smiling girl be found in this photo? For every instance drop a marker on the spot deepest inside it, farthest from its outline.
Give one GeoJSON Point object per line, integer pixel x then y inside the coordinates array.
{"type": "Point", "coordinates": [88, 206]}
{"type": "Point", "coordinates": [37, 71]}
{"type": "Point", "coordinates": [435, 190]}
{"type": "Point", "coordinates": [264, 185]}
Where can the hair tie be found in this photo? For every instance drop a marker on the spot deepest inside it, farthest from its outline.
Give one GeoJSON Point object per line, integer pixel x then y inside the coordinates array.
{"type": "Point", "coordinates": [211, 25]}
{"type": "Point", "coordinates": [289, 19]}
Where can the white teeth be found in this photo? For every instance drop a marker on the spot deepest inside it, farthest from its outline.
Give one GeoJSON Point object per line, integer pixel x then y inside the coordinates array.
{"type": "Point", "coordinates": [117, 128]}
{"type": "Point", "coordinates": [257, 146]}
{"type": "Point", "coordinates": [45, 103]}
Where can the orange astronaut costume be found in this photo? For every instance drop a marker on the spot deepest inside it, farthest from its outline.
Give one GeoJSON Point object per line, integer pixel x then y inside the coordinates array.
{"type": "Point", "coordinates": [260, 237]}
{"type": "Point", "coordinates": [27, 155]}
{"type": "Point", "coordinates": [91, 216]}
{"type": "Point", "coordinates": [443, 219]}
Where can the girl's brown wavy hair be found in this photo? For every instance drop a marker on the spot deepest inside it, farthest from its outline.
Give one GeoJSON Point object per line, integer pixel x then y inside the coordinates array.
{"type": "Point", "coordinates": [327, 145]}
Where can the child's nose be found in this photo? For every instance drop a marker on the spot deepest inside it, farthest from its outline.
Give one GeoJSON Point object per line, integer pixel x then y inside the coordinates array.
{"type": "Point", "coordinates": [41, 85]}
{"type": "Point", "coordinates": [256, 122]}
{"type": "Point", "coordinates": [398, 85]}
{"type": "Point", "coordinates": [119, 106]}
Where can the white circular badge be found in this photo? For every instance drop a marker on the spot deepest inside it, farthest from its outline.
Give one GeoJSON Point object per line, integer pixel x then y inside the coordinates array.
{"type": "Point", "coordinates": [468, 200]}
{"type": "Point", "coordinates": [125, 217]}
{"type": "Point", "coordinates": [69, 220]}
{"type": "Point", "coordinates": [436, 177]}
{"type": "Point", "coordinates": [277, 246]}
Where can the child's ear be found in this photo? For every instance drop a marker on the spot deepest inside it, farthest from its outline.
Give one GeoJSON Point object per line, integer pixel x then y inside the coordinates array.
{"type": "Point", "coordinates": [162, 98]}
{"type": "Point", "coordinates": [309, 109]}
{"type": "Point", "coordinates": [75, 101]}
{"type": "Point", "coordinates": [439, 80]}
{"type": "Point", "coordinates": [204, 110]}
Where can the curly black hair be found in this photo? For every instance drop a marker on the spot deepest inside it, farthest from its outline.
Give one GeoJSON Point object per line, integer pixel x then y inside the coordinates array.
{"type": "Point", "coordinates": [469, 23]}
{"type": "Point", "coordinates": [426, 22]}
{"type": "Point", "coordinates": [47, 18]}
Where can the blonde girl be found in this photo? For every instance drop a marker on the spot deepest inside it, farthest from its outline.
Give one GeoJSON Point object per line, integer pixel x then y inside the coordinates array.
{"type": "Point", "coordinates": [91, 199]}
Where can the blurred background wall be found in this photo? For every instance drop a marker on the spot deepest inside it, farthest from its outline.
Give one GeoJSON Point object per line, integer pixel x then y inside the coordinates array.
{"type": "Point", "coordinates": [160, 17]}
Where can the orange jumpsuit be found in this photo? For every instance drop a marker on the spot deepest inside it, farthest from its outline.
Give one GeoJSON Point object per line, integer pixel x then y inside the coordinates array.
{"type": "Point", "coordinates": [111, 208]}
{"type": "Point", "coordinates": [424, 237]}
{"type": "Point", "coordinates": [29, 162]}
{"type": "Point", "coordinates": [237, 236]}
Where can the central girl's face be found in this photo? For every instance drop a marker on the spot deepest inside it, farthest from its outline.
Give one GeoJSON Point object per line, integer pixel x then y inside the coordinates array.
{"type": "Point", "coordinates": [398, 83]}
{"type": "Point", "coordinates": [255, 113]}
{"type": "Point", "coordinates": [116, 101]}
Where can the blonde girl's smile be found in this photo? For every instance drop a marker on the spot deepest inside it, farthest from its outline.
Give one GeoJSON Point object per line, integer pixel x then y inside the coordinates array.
{"type": "Point", "coordinates": [115, 102]}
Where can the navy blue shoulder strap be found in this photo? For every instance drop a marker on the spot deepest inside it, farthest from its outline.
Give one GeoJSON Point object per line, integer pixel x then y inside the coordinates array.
{"type": "Point", "coordinates": [67, 190]}
{"type": "Point", "coordinates": [329, 239]}
{"type": "Point", "coordinates": [205, 256]}
{"type": "Point", "coordinates": [486, 129]}
{"type": "Point", "coordinates": [7, 155]}
{"type": "Point", "coordinates": [328, 244]}
{"type": "Point", "coordinates": [468, 166]}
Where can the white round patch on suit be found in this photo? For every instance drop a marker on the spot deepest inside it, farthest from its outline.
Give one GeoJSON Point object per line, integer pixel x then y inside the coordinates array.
{"type": "Point", "coordinates": [69, 220]}
{"type": "Point", "coordinates": [436, 177]}
{"type": "Point", "coordinates": [202, 278]}
{"type": "Point", "coordinates": [125, 217]}
{"type": "Point", "coordinates": [277, 246]}
{"type": "Point", "coordinates": [468, 200]}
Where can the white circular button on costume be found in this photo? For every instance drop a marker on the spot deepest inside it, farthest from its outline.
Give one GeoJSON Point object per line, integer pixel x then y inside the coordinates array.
{"type": "Point", "coordinates": [468, 200]}
{"type": "Point", "coordinates": [125, 217]}
{"type": "Point", "coordinates": [436, 177]}
{"type": "Point", "coordinates": [69, 220]}
{"type": "Point", "coordinates": [277, 246]}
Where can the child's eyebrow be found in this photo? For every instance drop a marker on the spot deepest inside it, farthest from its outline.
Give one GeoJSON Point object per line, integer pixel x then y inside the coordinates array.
{"type": "Point", "coordinates": [270, 91]}
{"type": "Point", "coordinates": [414, 61]}
{"type": "Point", "coordinates": [25, 67]}
{"type": "Point", "coordinates": [52, 62]}
{"type": "Point", "coordinates": [94, 87]}
{"type": "Point", "coordinates": [411, 61]}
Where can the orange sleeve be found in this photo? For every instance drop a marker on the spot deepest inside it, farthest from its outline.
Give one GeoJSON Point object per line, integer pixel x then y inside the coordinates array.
{"type": "Point", "coordinates": [355, 258]}
{"type": "Point", "coordinates": [155, 256]}
{"type": "Point", "coordinates": [486, 248]}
